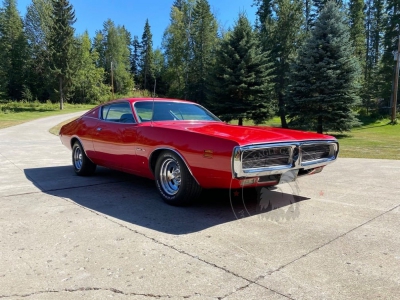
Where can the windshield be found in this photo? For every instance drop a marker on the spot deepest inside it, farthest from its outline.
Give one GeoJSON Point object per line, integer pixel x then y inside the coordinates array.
{"type": "Point", "coordinates": [172, 111]}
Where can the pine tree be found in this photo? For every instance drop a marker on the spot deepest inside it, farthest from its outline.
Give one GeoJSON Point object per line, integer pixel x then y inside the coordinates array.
{"type": "Point", "coordinates": [204, 40]}
{"type": "Point", "coordinates": [392, 31]}
{"type": "Point", "coordinates": [61, 43]}
{"type": "Point", "coordinates": [13, 52]}
{"type": "Point", "coordinates": [324, 86]}
{"type": "Point", "coordinates": [135, 58]}
{"type": "Point", "coordinates": [374, 27]}
{"type": "Point", "coordinates": [147, 57]}
{"type": "Point", "coordinates": [282, 36]}
{"type": "Point", "coordinates": [264, 13]}
{"type": "Point", "coordinates": [358, 36]}
{"type": "Point", "coordinates": [357, 30]}
{"type": "Point", "coordinates": [241, 82]}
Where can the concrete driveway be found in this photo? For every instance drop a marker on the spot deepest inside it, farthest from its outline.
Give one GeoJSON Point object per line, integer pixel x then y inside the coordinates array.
{"type": "Point", "coordinates": [333, 235]}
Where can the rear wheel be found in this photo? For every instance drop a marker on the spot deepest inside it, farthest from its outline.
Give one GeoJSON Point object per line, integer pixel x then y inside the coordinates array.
{"type": "Point", "coordinates": [83, 166]}
{"type": "Point", "coordinates": [174, 181]}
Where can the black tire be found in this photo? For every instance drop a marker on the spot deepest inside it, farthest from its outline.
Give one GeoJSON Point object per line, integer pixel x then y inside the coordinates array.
{"type": "Point", "coordinates": [83, 166]}
{"type": "Point", "coordinates": [174, 181]}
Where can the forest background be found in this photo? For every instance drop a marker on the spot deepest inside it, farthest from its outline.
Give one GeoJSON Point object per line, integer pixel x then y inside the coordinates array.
{"type": "Point", "coordinates": [315, 64]}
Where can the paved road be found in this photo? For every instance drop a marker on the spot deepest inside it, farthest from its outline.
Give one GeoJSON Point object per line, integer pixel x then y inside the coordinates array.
{"type": "Point", "coordinates": [334, 235]}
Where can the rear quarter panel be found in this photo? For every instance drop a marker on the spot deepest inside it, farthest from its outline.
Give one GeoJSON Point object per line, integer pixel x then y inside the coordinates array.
{"type": "Point", "coordinates": [82, 129]}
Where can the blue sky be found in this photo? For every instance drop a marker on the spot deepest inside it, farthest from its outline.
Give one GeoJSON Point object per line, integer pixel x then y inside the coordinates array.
{"type": "Point", "coordinates": [91, 14]}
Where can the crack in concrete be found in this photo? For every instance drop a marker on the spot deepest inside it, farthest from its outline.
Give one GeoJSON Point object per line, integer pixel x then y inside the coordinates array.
{"type": "Point", "coordinates": [249, 281]}
{"type": "Point", "coordinates": [113, 290]}
{"type": "Point", "coordinates": [305, 255]}
{"type": "Point", "coordinates": [61, 189]}
{"type": "Point", "coordinates": [329, 242]}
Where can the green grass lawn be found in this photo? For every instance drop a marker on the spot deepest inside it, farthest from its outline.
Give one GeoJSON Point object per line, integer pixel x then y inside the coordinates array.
{"type": "Point", "coordinates": [14, 113]}
{"type": "Point", "coordinates": [375, 139]}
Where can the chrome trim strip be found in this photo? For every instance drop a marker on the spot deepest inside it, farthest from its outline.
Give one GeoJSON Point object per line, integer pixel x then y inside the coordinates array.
{"type": "Point", "coordinates": [296, 162]}
{"type": "Point", "coordinates": [176, 152]}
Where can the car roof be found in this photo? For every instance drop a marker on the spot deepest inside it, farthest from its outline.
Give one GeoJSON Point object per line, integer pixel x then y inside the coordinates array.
{"type": "Point", "coordinates": [134, 100]}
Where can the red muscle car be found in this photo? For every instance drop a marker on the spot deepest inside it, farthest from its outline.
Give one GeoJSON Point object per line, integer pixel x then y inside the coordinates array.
{"type": "Point", "coordinates": [185, 148]}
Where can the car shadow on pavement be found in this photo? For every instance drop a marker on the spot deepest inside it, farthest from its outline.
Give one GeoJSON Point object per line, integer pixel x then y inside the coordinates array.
{"type": "Point", "coordinates": [136, 200]}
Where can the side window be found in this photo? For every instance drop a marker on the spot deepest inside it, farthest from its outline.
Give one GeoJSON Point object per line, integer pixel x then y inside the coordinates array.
{"type": "Point", "coordinates": [117, 112]}
{"type": "Point", "coordinates": [144, 110]}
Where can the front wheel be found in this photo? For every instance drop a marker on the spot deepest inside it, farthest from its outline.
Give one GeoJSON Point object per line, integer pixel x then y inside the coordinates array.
{"type": "Point", "coordinates": [174, 181]}
{"type": "Point", "coordinates": [83, 166]}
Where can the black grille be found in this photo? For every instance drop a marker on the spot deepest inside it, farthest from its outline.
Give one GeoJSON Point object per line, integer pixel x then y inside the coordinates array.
{"type": "Point", "coordinates": [269, 157]}
{"type": "Point", "coordinates": [315, 152]}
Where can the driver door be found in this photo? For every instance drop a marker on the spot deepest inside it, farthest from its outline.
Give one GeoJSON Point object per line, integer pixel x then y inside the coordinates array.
{"type": "Point", "coordinates": [115, 139]}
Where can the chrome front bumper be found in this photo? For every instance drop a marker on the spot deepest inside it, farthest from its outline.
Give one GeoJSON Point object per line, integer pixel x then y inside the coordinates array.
{"type": "Point", "coordinates": [294, 151]}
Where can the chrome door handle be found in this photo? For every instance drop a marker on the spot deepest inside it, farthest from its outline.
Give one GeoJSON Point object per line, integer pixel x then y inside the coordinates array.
{"type": "Point", "coordinates": [99, 129]}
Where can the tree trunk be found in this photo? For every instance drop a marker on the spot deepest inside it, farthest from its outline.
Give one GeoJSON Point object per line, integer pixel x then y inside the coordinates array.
{"type": "Point", "coordinates": [282, 111]}
{"type": "Point", "coordinates": [240, 122]}
{"type": "Point", "coordinates": [319, 128]}
{"type": "Point", "coordinates": [61, 95]}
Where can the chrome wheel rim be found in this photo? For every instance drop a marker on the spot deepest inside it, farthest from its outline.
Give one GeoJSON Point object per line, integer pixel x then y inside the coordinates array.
{"type": "Point", "coordinates": [170, 176]}
{"type": "Point", "coordinates": [77, 158]}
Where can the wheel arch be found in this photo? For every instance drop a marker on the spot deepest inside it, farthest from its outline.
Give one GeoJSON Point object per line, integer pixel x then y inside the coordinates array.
{"type": "Point", "coordinates": [75, 139]}
{"type": "Point", "coordinates": [156, 153]}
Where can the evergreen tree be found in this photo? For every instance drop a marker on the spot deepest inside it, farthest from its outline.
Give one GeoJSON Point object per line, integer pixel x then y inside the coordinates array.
{"type": "Point", "coordinates": [377, 29]}
{"type": "Point", "coordinates": [241, 82]}
{"type": "Point", "coordinates": [264, 13]}
{"type": "Point", "coordinates": [392, 31]}
{"type": "Point", "coordinates": [307, 14]}
{"type": "Point", "coordinates": [179, 4]}
{"type": "Point", "coordinates": [61, 43]}
{"type": "Point", "coordinates": [204, 40]}
{"type": "Point", "coordinates": [147, 73]}
{"type": "Point", "coordinates": [358, 36]}
{"type": "Point", "coordinates": [374, 27]}
{"type": "Point", "coordinates": [13, 52]}
{"type": "Point", "coordinates": [357, 30]}
{"type": "Point", "coordinates": [135, 58]}
{"type": "Point", "coordinates": [282, 37]}
{"type": "Point", "coordinates": [316, 8]}
{"type": "Point", "coordinates": [324, 86]}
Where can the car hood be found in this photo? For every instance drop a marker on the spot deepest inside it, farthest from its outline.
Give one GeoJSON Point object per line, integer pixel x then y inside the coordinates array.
{"type": "Point", "coordinates": [245, 135]}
